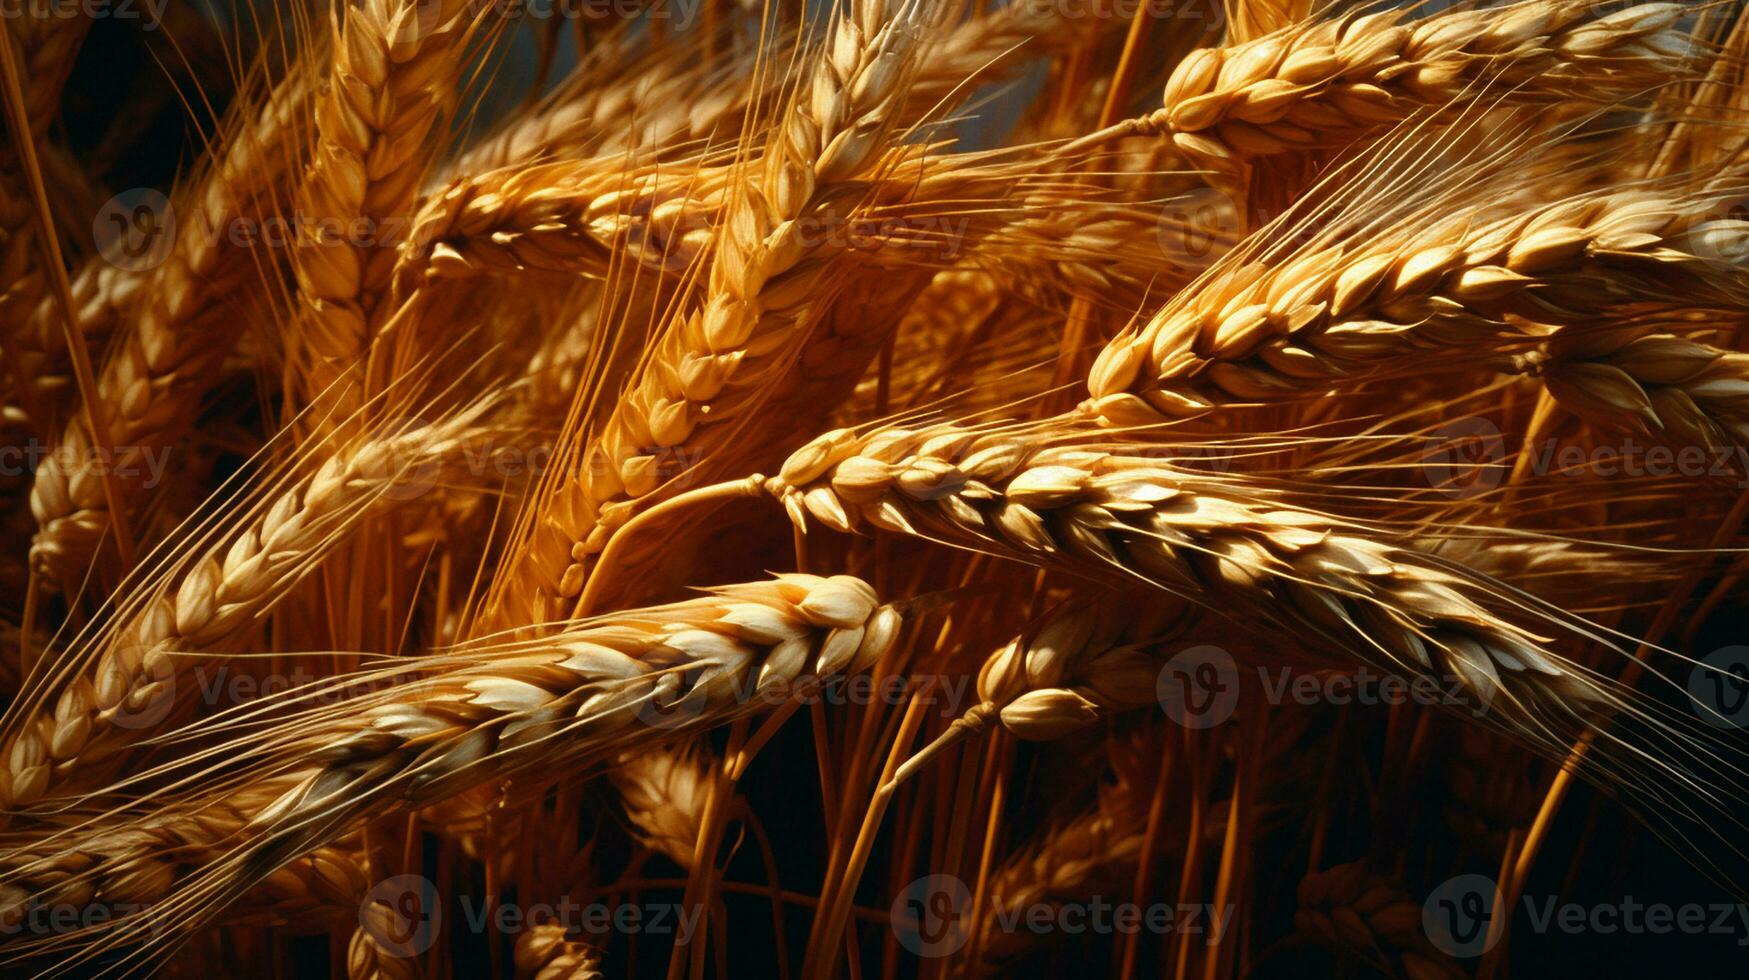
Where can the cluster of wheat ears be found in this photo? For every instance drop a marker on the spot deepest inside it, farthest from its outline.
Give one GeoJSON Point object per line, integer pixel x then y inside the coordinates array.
{"type": "Point", "coordinates": [866, 472]}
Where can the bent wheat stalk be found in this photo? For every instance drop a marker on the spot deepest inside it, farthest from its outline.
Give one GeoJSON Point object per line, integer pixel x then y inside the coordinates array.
{"type": "Point", "coordinates": [130, 680]}
{"type": "Point", "coordinates": [1364, 306]}
{"type": "Point", "coordinates": [1325, 83]}
{"type": "Point", "coordinates": [173, 339]}
{"type": "Point", "coordinates": [477, 714]}
{"type": "Point", "coordinates": [1220, 541]}
{"type": "Point", "coordinates": [715, 362]}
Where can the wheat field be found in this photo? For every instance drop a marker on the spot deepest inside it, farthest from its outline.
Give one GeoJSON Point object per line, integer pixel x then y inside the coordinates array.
{"type": "Point", "coordinates": [873, 488]}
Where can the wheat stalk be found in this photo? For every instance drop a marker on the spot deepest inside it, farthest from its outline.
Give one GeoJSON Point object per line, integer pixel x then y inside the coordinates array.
{"type": "Point", "coordinates": [1220, 541]}
{"type": "Point", "coordinates": [1325, 83]}
{"type": "Point", "coordinates": [717, 237]}
{"type": "Point", "coordinates": [1650, 382]}
{"type": "Point", "coordinates": [1375, 307]}
{"type": "Point", "coordinates": [171, 344]}
{"type": "Point", "coordinates": [396, 67]}
{"type": "Point", "coordinates": [716, 361]}
{"type": "Point", "coordinates": [234, 580]}
{"type": "Point", "coordinates": [483, 712]}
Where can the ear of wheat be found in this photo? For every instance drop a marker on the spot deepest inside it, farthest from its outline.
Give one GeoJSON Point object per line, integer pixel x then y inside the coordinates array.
{"type": "Point", "coordinates": [1387, 308]}
{"type": "Point", "coordinates": [134, 670]}
{"type": "Point", "coordinates": [639, 676]}
{"type": "Point", "coordinates": [1322, 83]}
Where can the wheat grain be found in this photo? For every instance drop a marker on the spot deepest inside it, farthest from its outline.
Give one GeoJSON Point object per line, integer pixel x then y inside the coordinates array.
{"type": "Point", "coordinates": [163, 359]}
{"type": "Point", "coordinates": [366, 956]}
{"type": "Point", "coordinates": [47, 40]}
{"type": "Point", "coordinates": [1081, 663]}
{"type": "Point", "coordinates": [1321, 84]}
{"type": "Point", "coordinates": [664, 797]}
{"type": "Point", "coordinates": [1251, 19]}
{"type": "Point", "coordinates": [574, 218]}
{"type": "Point", "coordinates": [1217, 540]}
{"type": "Point", "coordinates": [1369, 915]}
{"type": "Point", "coordinates": [1388, 306]}
{"type": "Point", "coordinates": [396, 67]}
{"type": "Point", "coordinates": [1650, 382]}
{"type": "Point", "coordinates": [602, 687]}
{"type": "Point", "coordinates": [544, 952]}
{"type": "Point", "coordinates": [224, 589]}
